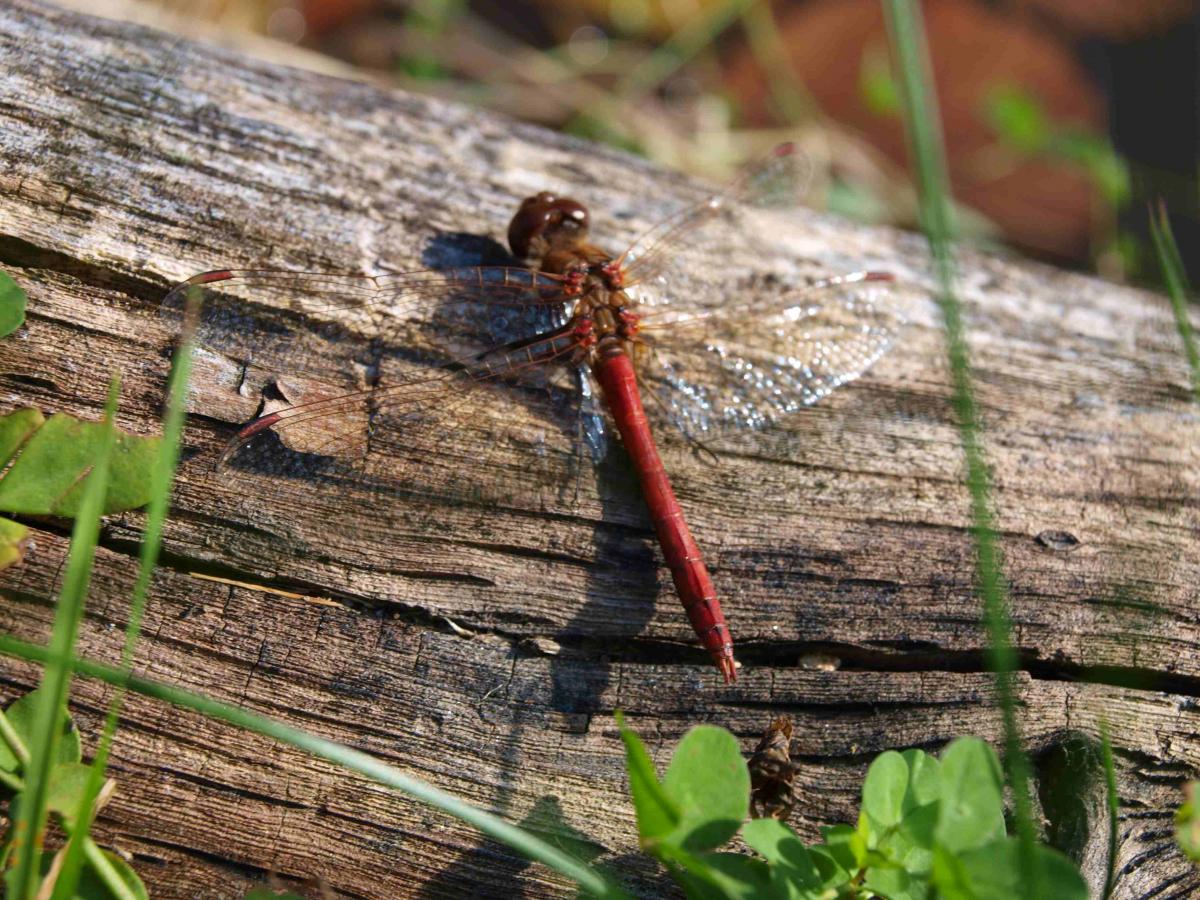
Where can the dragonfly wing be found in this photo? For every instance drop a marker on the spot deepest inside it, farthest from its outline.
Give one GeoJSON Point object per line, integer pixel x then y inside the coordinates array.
{"type": "Point", "coordinates": [450, 388]}
{"type": "Point", "coordinates": [593, 426]}
{"type": "Point", "coordinates": [322, 323]}
{"type": "Point", "coordinates": [777, 181]}
{"type": "Point", "coordinates": [482, 426]}
{"type": "Point", "coordinates": [745, 366]}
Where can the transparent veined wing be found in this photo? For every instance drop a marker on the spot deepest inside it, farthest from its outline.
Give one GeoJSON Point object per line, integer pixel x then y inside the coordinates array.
{"type": "Point", "coordinates": [746, 365]}
{"type": "Point", "coordinates": [300, 321]}
{"type": "Point", "coordinates": [378, 385]}
{"type": "Point", "coordinates": [777, 181]}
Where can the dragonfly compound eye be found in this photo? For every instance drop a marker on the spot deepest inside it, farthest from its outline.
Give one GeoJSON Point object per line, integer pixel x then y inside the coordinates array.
{"type": "Point", "coordinates": [546, 222]}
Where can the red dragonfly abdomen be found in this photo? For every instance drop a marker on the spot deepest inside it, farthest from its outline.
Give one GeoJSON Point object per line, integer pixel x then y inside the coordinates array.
{"type": "Point", "coordinates": [614, 370]}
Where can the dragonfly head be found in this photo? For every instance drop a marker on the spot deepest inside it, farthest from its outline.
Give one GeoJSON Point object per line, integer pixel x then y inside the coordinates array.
{"type": "Point", "coordinates": [545, 222]}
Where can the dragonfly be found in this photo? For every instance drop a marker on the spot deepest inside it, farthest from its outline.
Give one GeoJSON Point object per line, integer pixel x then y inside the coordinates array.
{"type": "Point", "coordinates": [556, 334]}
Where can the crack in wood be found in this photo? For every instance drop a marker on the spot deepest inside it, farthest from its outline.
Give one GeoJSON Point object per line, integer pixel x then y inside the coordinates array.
{"type": "Point", "coordinates": [20, 253]}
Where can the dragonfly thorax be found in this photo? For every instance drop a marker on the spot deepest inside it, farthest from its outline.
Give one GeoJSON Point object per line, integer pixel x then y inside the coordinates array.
{"type": "Point", "coordinates": [601, 323]}
{"type": "Point", "coordinates": [614, 321]}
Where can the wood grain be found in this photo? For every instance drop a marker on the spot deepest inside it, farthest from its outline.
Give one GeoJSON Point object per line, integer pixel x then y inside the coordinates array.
{"type": "Point", "coordinates": [484, 649]}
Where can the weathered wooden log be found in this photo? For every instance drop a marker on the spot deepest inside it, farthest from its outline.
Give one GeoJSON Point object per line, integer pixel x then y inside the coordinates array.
{"type": "Point", "coordinates": [487, 654]}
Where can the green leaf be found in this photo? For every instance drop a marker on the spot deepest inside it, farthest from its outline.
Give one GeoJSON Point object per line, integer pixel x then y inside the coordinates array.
{"type": "Point", "coordinates": [884, 789]}
{"type": "Point", "coordinates": [67, 783]}
{"type": "Point", "coordinates": [972, 806]}
{"type": "Point", "coordinates": [897, 884]}
{"type": "Point", "coordinates": [992, 872]}
{"type": "Point", "coordinates": [1095, 153]}
{"type": "Point", "coordinates": [844, 846]}
{"type": "Point", "coordinates": [1187, 823]}
{"type": "Point", "coordinates": [794, 871]}
{"type": "Point", "coordinates": [13, 536]}
{"type": "Point", "coordinates": [921, 807]}
{"type": "Point", "coordinates": [92, 885]}
{"type": "Point", "coordinates": [710, 785]}
{"type": "Point", "coordinates": [54, 458]}
{"type": "Point", "coordinates": [950, 876]}
{"type": "Point", "coordinates": [717, 876]}
{"type": "Point", "coordinates": [737, 875]}
{"type": "Point", "coordinates": [924, 779]}
{"type": "Point", "coordinates": [1018, 118]}
{"type": "Point", "coordinates": [907, 839]}
{"type": "Point", "coordinates": [15, 429]}
{"type": "Point", "coordinates": [865, 836]}
{"type": "Point", "coordinates": [657, 815]}
{"type": "Point", "coordinates": [776, 843]}
{"type": "Point", "coordinates": [877, 85]}
{"type": "Point", "coordinates": [911, 845]}
{"type": "Point", "coordinates": [834, 875]}
{"type": "Point", "coordinates": [12, 305]}
{"type": "Point", "coordinates": [20, 717]}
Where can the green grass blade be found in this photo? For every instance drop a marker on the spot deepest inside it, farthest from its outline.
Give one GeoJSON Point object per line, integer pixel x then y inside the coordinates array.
{"type": "Point", "coordinates": [925, 138]}
{"type": "Point", "coordinates": [771, 52]}
{"type": "Point", "coordinates": [161, 478]}
{"type": "Point", "coordinates": [657, 814]}
{"type": "Point", "coordinates": [493, 826]}
{"type": "Point", "coordinates": [1177, 287]}
{"type": "Point", "coordinates": [29, 827]}
{"type": "Point", "coordinates": [673, 53]}
{"type": "Point", "coordinates": [1110, 779]}
{"type": "Point", "coordinates": [105, 872]}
